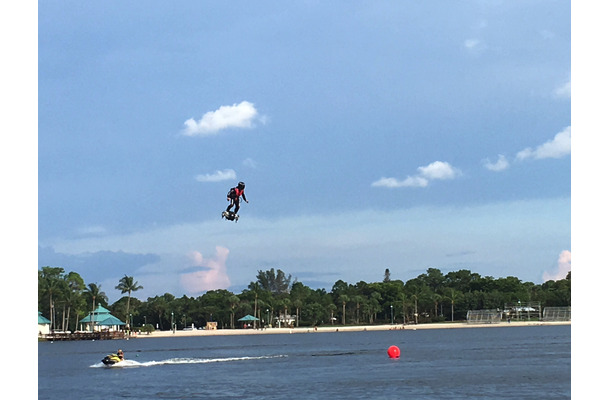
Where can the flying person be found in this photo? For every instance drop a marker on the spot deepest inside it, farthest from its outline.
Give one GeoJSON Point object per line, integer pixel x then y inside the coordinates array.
{"type": "Point", "coordinates": [234, 195]}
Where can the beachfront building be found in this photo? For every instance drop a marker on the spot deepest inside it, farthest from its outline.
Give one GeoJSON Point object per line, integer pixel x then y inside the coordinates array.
{"type": "Point", "coordinates": [101, 320]}
{"type": "Point", "coordinates": [522, 311]}
{"type": "Point", "coordinates": [285, 320]}
{"type": "Point", "coordinates": [44, 325]}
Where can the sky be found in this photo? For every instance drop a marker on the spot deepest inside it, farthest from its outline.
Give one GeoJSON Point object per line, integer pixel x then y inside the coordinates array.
{"type": "Point", "coordinates": [370, 135]}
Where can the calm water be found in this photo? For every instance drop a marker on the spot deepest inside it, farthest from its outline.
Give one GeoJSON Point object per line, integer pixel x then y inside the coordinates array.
{"type": "Point", "coordinates": [483, 363]}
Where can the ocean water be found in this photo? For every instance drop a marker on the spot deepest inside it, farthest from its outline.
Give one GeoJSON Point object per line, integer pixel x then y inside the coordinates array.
{"type": "Point", "coordinates": [484, 363]}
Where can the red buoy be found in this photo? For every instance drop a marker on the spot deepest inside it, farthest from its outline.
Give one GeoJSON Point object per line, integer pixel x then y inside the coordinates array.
{"type": "Point", "coordinates": [393, 352]}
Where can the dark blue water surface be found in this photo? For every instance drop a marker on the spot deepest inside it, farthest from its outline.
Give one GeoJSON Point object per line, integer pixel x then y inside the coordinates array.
{"type": "Point", "coordinates": [485, 363]}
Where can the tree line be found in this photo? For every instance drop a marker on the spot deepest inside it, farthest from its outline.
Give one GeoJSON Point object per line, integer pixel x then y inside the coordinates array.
{"type": "Point", "coordinates": [65, 299]}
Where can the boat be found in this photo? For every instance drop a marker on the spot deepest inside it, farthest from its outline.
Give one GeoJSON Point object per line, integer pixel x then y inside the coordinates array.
{"type": "Point", "coordinates": [111, 359]}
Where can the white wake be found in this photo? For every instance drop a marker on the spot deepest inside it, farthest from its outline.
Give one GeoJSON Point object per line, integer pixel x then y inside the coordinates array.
{"type": "Point", "coordinates": [174, 361]}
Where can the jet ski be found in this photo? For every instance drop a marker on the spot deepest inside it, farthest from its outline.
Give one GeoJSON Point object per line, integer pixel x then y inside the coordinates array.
{"type": "Point", "coordinates": [111, 359]}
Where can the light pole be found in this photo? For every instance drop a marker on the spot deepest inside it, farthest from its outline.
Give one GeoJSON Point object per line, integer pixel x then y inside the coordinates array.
{"type": "Point", "coordinates": [268, 321]}
{"type": "Point", "coordinates": [172, 326]}
{"type": "Point", "coordinates": [392, 313]}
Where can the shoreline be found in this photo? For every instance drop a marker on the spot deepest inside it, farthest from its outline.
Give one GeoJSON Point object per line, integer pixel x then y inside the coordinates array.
{"type": "Point", "coordinates": [328, 329]}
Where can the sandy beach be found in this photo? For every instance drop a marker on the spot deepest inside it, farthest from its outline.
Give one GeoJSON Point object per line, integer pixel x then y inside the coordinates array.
{"type": "Point", "coordinates": [359, 328]}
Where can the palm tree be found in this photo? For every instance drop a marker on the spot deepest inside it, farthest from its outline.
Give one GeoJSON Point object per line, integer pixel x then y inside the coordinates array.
{"type": "Point", "coordinates": [285, 303]}
{"type": "Point", "coordinates": [403, 301]}
{"type": "Point", "coordinates": [127, 285]}
{"type": "Point", "coordinates": [332, 308]}
{"type": "Point", "coordinates": [74, 288]}
{"type": "Point", "coordinates": [95, 291]}
{"type": "Point", "coordinates": [159, 305]}
{"type": "Point", "coordinates": [359, 300]}
{"type": "Point", "coordinates": [298, 304]}
{"type": "Point", "coordinates": [453, 297]}
{"type": "Point", "coordinates": [233, 303]}
{"type": "Point", "coordinates": [343, 299]}
{"type": "Point", "coordinates": [436, 298]}
{"type": "Point", "coordinates": [414, 297]}
{"type": "Point", "coordinates": [50, 282]}
{"type": "Point", "coordinates": [374, 306]}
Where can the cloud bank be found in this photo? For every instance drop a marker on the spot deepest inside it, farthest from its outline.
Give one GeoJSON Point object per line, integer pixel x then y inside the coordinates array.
{"type": "Point", "coordinates": [564, 265]}
{"type": "Point", "coordinates": [242, 115]}
{"type": "Point", "coordinates": [357, 245]}
{"type": "Point", "coordinates": [558, 147]}
{"type": "Point", "coordinates": [213, 277]}
{"type": "Point", "coordinates": [438, 170]}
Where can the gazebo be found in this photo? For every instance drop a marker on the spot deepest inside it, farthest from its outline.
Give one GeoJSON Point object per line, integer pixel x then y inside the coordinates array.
{"type": "Point", "coordinates": [44, 325]}
{"type": "Point", "coordinates": [101, 319]}
{"type": "Point", "coordinates": [248, 318]}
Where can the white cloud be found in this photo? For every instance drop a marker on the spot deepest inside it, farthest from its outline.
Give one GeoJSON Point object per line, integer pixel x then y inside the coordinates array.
{"type": "Point", "coordinates": [564, 91]}
{"type": "Point", "coordinates": [240, 115]}
{"type": "Point", "coordinates": [217, 176]}
{"type": "Point", "coordinates": [558, 147]}
{"type": "Point", "coordinates": [250, 163]}
{"type": "Point", "coordinates": [564, 265]}
{"type": "Point", "coordinates": [471, 43]}
{"type": "Point", "coordinates": [438, 170]}
{"type": "Point", "coordinates": [213, 277]}
{"type": "Point", "coordinates": [395, 183]}
{"type": "Point", "coordinates": [474, 46]}
{"type": "Point", "coordinates": [499, 165]}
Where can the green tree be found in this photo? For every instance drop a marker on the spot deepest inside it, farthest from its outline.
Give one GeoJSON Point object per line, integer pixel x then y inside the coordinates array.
{"type": "Point", "coordinates": [434, 279]}
{"type": "Point", "coordinates": [386, 275]}
{"type": "Point", "coordinates": [160, 306]}
{"type": "Point", "coordinates": [276, 283]}
{"type": "Point", "coordinates": [50, 284]}
{"type": "Point", "coordinates": [66, 294]}
{"type": "Point", "coordinates": [127, 285]}
{"type": "Point", "coordinates": [298, 293]}
{"type": "Point", "coordinates": [436, 298]}
{"type": "Point", "coordinates": [233, 303]}
{"type": "Point", "coordinates": [73, 296]}
{"type": "Point", "coordinates": [462, 280]}
{"type": "Point", "coordinates": [359, 300]}
{"type": "Point", "coordinates": [343, 299]}
{"type": "Point", "coordinates": [285, 303]}
{"type": "Point", "coordinates": [453, 296]}
{"type": "Point", "coordinates": [94, 291]}
{"type": "Point", "coordinates": [332, 308]}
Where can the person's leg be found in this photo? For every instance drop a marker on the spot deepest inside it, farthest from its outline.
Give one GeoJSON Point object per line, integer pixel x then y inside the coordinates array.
{"type": "Point", "coordinates": [230, 205]}
{"type": "Point", "coordinates": [236, 205]}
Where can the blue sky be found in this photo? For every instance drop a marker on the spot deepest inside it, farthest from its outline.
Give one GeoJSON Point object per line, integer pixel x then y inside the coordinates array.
{"type": "Point", "coordinates": [370, 135]}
